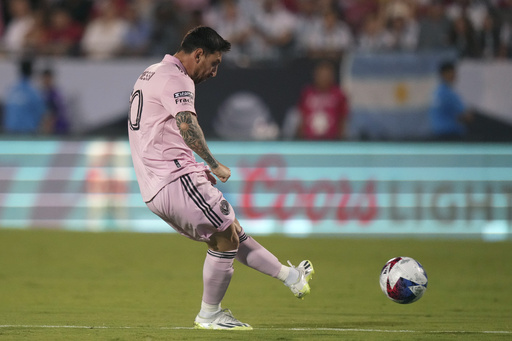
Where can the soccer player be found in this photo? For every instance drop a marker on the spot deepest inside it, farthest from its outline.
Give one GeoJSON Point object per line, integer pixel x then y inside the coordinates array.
{"type": "Point", "coordinates": [164, 132]}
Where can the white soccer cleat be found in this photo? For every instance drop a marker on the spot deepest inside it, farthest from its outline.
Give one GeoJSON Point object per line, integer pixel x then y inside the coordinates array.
{"type": "Point", "coordinates": [223, 320]}
{"type": "Point", "coordinates": [301, 287]}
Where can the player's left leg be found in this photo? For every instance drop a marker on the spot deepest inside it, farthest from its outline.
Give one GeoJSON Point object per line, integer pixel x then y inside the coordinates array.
{"type": "Point", "coordinates": [254, 255]}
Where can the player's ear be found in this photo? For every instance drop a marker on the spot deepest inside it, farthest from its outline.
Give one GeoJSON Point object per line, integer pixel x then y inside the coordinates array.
{"type": "Point", "coordinates": [198, 53]}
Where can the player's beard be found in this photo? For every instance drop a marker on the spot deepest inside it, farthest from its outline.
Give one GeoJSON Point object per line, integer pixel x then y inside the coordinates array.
{"type": "Point", "coordinates": [200, 79]}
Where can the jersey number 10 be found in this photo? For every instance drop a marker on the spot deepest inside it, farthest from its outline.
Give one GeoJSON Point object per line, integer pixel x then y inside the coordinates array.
{"type": "Point", "coordinates": [135, 110]}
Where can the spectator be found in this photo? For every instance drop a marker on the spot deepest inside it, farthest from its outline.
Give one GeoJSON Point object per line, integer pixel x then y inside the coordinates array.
{"type": "Point", "coordinates": [36, 38]}
{"type": "Point", "coordinates": [230, 23]}
{"type": "Point", "coordinates": [489, 38]}
{"type": "Point", "coordinates": [402, 27]}
{"type": "Point", "coordinates": [323, 107]}
{"type": "Point", "coordinates": [506, 41]}
{"type": "Point", "coordinates": [63, 34]}
{"type": "Point", "coordinates": [136, 39]}
{"type": "Point", "coordinates": [144, 8]}
{"type": "Point", "coordinates": [356, 12]}
{"type": "Point", "coordinates": [103, 36]}
{"type": "Point", "coordinates": [463, 38]}
{"type": "Point", "coordinates": [79, 10]}
{"type": "Point", "coordinates": [324, 6]}
{"type": "Point", "coordinates": [24, 107]}
{"type": "Point", "coordinates": [434, 29]}
{"type": "Point", "coordinates": [166, 31]}
{"type": "Point", "coordinates": [192, 20]}
{"type": "Point", "coordinates": [474, 10]}
{"type": "Point", "coordinates": [308, 19]}
{"type": "Point", "coordinates": [55, 120]}
{"type": "Point", "coordinates": [291, 5]}
{"type": "Point", "coordinates": [249, 7]}
{"type": "Point", "coordinates": [98, 7]}
{"type": "Point", "coordinates": [329, 39]}
{"type": "Point", "coordinates": [374, 37]}
{"type": "Point", "coordinates": [448, 114]}
{"type": "Point", "coordinates": [273, 29]}
{"type": "Point", "coordinates": [189, 6]}
{"type": "Point", "coordinates": [16, 30]}
{"type": "Point", "coordinates": [2, 19]}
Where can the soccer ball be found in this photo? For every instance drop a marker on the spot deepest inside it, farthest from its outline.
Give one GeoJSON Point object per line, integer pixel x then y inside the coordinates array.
{"type": "Point", "coordinates": [403, 280]}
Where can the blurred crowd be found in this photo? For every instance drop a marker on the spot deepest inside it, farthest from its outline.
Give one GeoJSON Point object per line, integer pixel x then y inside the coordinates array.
{"type": "Point", "coordinates": [260, 30]}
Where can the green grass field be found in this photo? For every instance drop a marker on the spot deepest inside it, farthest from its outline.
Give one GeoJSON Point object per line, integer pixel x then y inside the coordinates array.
{"type": "Point", "coordinates": [123, 286]}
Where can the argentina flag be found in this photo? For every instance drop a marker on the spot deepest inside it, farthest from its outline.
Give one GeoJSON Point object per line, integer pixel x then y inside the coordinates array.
{"type": "Point", "coordinates": [390, 94]}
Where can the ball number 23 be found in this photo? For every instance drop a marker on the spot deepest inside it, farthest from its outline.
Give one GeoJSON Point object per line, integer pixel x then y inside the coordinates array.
{"type": "Point", "coordinates": [136, 102]}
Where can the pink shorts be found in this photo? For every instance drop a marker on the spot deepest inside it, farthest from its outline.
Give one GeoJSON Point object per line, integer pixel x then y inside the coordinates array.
{"type": "Point", "coordinates": [193, 207]}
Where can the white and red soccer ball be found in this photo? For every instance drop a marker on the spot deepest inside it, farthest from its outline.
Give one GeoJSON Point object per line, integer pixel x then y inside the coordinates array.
{"type": "Point", "coordinates": [403, 280]}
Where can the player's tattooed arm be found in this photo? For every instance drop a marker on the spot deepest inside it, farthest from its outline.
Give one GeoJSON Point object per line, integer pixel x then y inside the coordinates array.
{"type": "Point", "coordinates": [194, 137]}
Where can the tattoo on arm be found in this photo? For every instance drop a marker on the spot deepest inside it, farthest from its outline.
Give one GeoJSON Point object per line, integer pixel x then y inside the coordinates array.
{"type": "Point", "coordinates": [194, 137]}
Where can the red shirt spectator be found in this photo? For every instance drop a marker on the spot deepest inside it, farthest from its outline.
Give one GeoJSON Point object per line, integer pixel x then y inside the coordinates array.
{"type": "Point", "coordinates": [323, 107]}
{"type": "Point", "coordinates": [64, 34]}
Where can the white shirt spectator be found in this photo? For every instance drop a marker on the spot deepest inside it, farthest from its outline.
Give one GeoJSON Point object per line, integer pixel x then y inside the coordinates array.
{"type": "Point", "coordinates": [374, 37]}
{"type": "Point", "coordinates": [329, 38]}
{"type": "Point", "coordinates": [228, 20]}
{"type": "Point", "coordinates": [307, 21]}
{"type": "Point", "coordinates": [476, 12]}
{"type": "Point", "coordinates": [273, 29]}
{"type": "Point", "coordinates": [21, 23]}
{"type": "Point", "coordinates": [15, 34]}
{"type": "Point", "coordinates": [103, 37]}
{"type": "Point", "coordinates": [404, 33]}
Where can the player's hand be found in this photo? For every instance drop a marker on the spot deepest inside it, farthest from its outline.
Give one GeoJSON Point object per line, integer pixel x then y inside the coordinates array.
{"type": "Point", "coordinates": [210, 177]}
{"type": "Point", "coordinates": [222, 172]}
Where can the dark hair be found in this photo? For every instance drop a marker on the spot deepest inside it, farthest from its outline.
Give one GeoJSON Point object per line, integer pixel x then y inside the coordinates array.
{"type": "Point", "coordinates": [446, 66]}
{"type": "Point", "coordinates": [205, 38]}
{"type": "Point", "coordinates": [47, 72]}
{"type": "Point", "coordinates": [26, 68]}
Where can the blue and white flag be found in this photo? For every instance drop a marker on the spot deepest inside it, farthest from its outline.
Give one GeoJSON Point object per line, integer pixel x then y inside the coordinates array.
{"type": "Point", "coordinates": [390, 94]}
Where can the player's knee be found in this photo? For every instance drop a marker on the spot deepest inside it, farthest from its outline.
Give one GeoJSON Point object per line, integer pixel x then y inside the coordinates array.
{"type": "Point", "coordinates": [238, 227]}
{"type": "Point", "coordinates": [226, 240]}
{"type": "Point", "coordinates": [232, 235]}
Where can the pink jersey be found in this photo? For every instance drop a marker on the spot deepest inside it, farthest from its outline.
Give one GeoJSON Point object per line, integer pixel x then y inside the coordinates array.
{"type": "Point", "coordinates": [159, 153]}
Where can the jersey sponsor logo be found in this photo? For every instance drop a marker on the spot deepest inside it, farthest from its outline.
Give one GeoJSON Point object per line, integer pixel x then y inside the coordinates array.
{"type": "Point", "coordinates": [146, 75]}
{"type": "Point", "coordinates": [184, 101]}
{"type": "Point", "coordinates": [183, 94]}
{"type": "Point", "coordinates": [224, 207]}
{"type": "Point", "coordinates": [184, 97]}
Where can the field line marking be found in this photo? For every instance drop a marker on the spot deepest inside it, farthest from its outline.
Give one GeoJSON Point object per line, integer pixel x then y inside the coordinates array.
{"type": "Point", "coordinates": [276, 329]}
{"type": "Point", "coordinates": [61, 326]}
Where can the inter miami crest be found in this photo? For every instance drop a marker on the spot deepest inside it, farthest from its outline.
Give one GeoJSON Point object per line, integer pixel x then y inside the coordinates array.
{"type": "Point", "coordinates": [224, 207]}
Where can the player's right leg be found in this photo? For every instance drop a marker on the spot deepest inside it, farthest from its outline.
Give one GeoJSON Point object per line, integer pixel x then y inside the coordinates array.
{"type": "Point", "coordinates": [254, 255]}
{"type": "Point", "coordinates": [217, 273]}
{"type": "Point", "coordinates": [300, 287]}
{"type": "Point", "coordinates": [197, 210]}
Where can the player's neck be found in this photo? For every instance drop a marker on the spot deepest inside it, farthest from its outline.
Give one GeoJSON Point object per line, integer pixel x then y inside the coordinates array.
{"type": "Point", "coordinates": [186, 60]}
